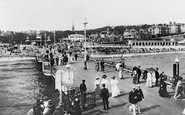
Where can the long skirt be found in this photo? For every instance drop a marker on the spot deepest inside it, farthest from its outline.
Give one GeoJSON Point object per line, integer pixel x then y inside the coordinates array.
{"type": "Point", "coordinates": [120, 74]}
{"type": "Point", "coordinates": [149, 83]}
{"type": "Point", "coordinates": [115, 91]}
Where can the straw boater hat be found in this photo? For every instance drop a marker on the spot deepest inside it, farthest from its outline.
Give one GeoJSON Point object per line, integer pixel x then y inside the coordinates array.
{"type": "Point", "coordinates": [68, 66]}
{"type": "Point", "coordinates": [97, 77]}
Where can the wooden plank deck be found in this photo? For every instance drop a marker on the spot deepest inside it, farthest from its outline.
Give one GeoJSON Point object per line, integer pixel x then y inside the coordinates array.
{"type": "Point", "coordinates": [152, 105]}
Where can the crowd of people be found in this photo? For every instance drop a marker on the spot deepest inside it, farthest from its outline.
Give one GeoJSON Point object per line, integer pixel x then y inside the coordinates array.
{"type": "Point", "coordinates": [151, 76]}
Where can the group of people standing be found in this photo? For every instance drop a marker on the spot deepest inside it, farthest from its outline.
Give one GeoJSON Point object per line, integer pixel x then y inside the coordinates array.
{"type": "Point", "coordinates": [100, 65]}
{"type": "Point", "coordinates": [113, 83]}
{"type": "Point", "coordinates": [136, 73]}
{"type": "Point", "coordinates": [101, 89]}
{"type": "Point", "coordinates": [61, 58]}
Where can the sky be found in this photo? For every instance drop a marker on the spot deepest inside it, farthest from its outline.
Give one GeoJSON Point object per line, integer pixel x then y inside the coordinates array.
{"type": "Point", "coordinates": [23, 15]}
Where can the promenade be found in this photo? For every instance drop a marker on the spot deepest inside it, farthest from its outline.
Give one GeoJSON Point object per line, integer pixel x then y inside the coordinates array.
{"type": "Point", "coordinates": [152, 105]}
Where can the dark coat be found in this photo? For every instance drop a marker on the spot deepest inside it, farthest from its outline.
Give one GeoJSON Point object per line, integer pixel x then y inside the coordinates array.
{"type": "Point", "coordinates": [157, 74]}
{"type": "Point", "coordinates": [139, 71]}
{"type": "Point", "coordinates": [102, 64]}
{"type": "Point", "coordinates": [133, 97]}
{"type": "Point", "coordinates": [105, 93]}
{"type": "Point", "coordinates": [162, 89]}
{"type": "Point", "coordinates": [77, 108]}
{"type": "Point", "coordinates": [83, 87]}
{"type": "Point", "coordinates": [140, 95]}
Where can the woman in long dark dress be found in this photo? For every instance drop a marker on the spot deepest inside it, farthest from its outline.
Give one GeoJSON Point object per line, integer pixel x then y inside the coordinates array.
{"type": "Point", "coordinates": [162, 88]}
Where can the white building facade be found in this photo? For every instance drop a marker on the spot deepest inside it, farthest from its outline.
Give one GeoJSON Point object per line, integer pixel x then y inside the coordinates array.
{"type": "Point", "coordinates": [76, 37]}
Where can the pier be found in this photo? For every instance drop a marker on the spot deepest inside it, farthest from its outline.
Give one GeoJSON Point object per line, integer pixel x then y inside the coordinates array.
{"type": "Point", "coordinates": [152, 105]}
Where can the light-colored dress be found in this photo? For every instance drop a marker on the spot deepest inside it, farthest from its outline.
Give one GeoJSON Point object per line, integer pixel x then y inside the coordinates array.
{"type": "Point", "coordinates": [149, 80]}
{"type": "Point", "coordinates": [153, 78]}
{"type": "Point", "coordinates": [115, 88]}
{"type": "Point", "coordinates": [105, 81]}
{"type": "Point", "coordinates": [118, 66]}
{"type": "Point", "coordinates": [177, 93]}
{"type": "Point", "coordinates": [120, 72]}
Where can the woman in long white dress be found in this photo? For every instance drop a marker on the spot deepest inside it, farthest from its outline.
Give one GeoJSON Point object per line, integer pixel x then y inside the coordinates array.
{"type": "Point", "coordinates": [153, 78]}
{"type": "Point", "coordinates": [104, 81]}
{"type": "Point", "coordinates": [97, 82]}
{"type": "Point", "coordinates": [149, 79]}
{"type": "Point", "coordinates": [114, 86]}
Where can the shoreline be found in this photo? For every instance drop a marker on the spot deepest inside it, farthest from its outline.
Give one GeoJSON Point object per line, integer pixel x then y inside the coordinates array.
{"type": "Point", "coordinates": [18, 58]}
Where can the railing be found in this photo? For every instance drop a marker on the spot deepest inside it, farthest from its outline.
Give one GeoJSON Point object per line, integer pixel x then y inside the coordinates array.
{"type": "Point", "coordinates": [69, 98]}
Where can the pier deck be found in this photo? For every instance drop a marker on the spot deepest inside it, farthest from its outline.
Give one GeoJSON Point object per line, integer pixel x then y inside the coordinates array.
{"type": "Point", "coordinates": [152, 105]}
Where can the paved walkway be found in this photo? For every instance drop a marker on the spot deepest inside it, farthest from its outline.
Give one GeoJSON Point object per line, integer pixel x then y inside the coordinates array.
{"type": "Point", "coordinates": [152, 105]}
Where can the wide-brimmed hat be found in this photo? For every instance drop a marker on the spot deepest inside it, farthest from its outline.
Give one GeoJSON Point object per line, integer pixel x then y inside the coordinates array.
{"type": "Point", "coordinates": [97, 77]}
{"type": "Point", "coordinates": [104, 76]}
{"type": "Point", "coordinates": [113, 76]}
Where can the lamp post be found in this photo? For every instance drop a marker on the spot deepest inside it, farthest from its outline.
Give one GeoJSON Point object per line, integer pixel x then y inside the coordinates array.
{"type": "Point", "coordinates": [45, 39]}
{"type": "Point", "coordinates": [176, 68]}
{"type": "Point", "coordinates": [85, 54]}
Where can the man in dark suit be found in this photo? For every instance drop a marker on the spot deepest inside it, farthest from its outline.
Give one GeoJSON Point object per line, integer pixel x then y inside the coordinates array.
{"type": "Point", "coordinates": [140, 97]}
{"type": "Point", "coordinates": [83, 89]}
{"type": "Point", "coordinates": [102, 65]}
{"type": "Point", "coordinates": [133, 100]}
{"type": "Point", "coordinates": [139, 74]}
{"type": "Point", "coordinates": [157, 76]}
{"type": "Point", "coordinates": [105, 97]}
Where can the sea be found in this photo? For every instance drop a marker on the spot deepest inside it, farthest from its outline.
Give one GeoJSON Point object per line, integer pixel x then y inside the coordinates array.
{"type": "Point", "coordinates": [21, 82]}
{"type": "Point", "coordinates": [20, 86]}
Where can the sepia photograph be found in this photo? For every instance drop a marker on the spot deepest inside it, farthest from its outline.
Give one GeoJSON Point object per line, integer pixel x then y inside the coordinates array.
{"type": "Point", "coordinates": [92, 57]}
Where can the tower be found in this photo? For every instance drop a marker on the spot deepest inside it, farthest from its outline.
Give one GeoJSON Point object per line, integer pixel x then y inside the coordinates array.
{"type": "Point", "coordinates": [73, 27]}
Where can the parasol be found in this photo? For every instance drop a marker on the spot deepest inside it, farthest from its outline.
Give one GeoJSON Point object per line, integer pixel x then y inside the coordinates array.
{"type": "Point", "coordinates": [151, 69]}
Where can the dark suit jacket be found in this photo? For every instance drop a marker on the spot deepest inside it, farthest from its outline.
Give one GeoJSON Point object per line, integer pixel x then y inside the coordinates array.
{"type": "Point", "coordinates": [140, 95]}
{"type": "Point", "coordinates": [105, 93]}
{"type": "Point", "coordinates": [133, 97]}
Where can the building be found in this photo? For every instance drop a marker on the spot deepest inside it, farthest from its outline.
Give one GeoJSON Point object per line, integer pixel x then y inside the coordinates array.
{"type": "Point", "coordinates": [76, 37]}
{"type": "Point", "coordinates": [174, 28]}
{"type": "Point", "coordinates": [130, 33]}
{"type": "Point", "coordinates": [158, 30]}
{"type": "Point", "coordinates": [183, 28]}
{"type": "Point", "coordinates": [144, 34]}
